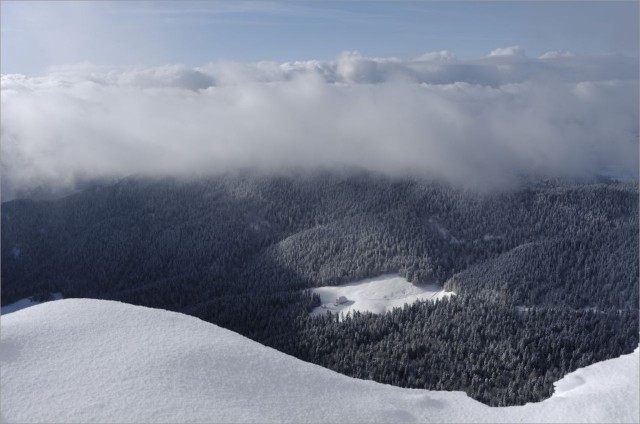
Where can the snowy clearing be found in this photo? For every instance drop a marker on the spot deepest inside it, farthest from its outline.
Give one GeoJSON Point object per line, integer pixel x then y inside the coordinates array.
{"type": "Point", "coordinates": [82, 360]}
{"type": "Point", "coordinates": [377, 295]}
{"type": "Point", "coordinates": [25, 303]}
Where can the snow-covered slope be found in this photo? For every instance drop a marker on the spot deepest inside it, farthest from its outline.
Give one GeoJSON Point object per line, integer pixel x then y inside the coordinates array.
{"type": "Point", "coordinates": [377, 295]}
{"type": "Point", "coordinates": [26, 303]}
{"type": "Point", "coordinates": [78, 360]}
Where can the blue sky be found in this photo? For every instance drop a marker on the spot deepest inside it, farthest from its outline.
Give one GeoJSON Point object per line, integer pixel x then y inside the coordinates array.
{"type": "Point", "coordinates": [36, 35]}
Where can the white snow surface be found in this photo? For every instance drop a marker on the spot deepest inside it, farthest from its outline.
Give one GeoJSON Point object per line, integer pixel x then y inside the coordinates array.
{"type": "Point", "coordinates": [26, 303]}
{"type": "Point", "coordinates": [80, 360]}
{"type": "Point", "coordinates": [377, 295]}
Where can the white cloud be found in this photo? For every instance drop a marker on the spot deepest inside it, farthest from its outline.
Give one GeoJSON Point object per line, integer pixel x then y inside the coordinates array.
{"type": "Point", "coordinates": [553, 54]}
{"type": "Point", "coordinates": [468, 122]}
{"type": "Point", "coordinates": [508, 51]}
{"type": "Point", "coordinates": [441, 56]}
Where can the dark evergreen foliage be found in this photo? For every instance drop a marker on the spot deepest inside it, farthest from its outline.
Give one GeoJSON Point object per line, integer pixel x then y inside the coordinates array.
{"type": "Point", "coordinates": [546, 275]}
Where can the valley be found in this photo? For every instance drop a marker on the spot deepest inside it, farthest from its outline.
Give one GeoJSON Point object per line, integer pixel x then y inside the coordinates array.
{"type": "Point", "coordinates": [260, 254]}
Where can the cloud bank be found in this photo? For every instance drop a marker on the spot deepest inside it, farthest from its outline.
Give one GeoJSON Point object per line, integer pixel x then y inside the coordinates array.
{"type": "Point", "coordinates": [472, 123]}
{"type": "Point", "coordinates": [508, 51]}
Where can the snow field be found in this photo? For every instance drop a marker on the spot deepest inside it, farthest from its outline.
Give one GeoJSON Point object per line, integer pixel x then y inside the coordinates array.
{"type": "Point", "coordinates": [25, 303]}
{"type": "Point", "coordinates": [82, 360]}
{"type": "Point", "coordinates": [377, 295]}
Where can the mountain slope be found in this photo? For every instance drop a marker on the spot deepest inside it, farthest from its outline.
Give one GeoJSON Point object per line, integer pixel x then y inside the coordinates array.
{"type": "Point", "coordinates": [79, 360]}
{"type": "Point", "coordinates": [243, 250]}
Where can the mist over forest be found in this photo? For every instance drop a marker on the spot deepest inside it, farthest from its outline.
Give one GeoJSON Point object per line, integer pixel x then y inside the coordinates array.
{"type": "Point", "coordinates": [478, 124]}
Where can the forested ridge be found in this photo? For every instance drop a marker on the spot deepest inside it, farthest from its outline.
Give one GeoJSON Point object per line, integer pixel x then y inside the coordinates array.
{"type": "Point", "coordinates": [546, 275]}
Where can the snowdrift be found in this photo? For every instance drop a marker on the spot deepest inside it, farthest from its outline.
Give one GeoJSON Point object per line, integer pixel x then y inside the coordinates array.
{"type": "Point", "coordinates": [79, 360]}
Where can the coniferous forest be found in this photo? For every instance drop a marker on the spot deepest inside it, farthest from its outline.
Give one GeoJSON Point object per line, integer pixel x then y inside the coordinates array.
{"type": "Point", "coordinates": [545, 273]}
